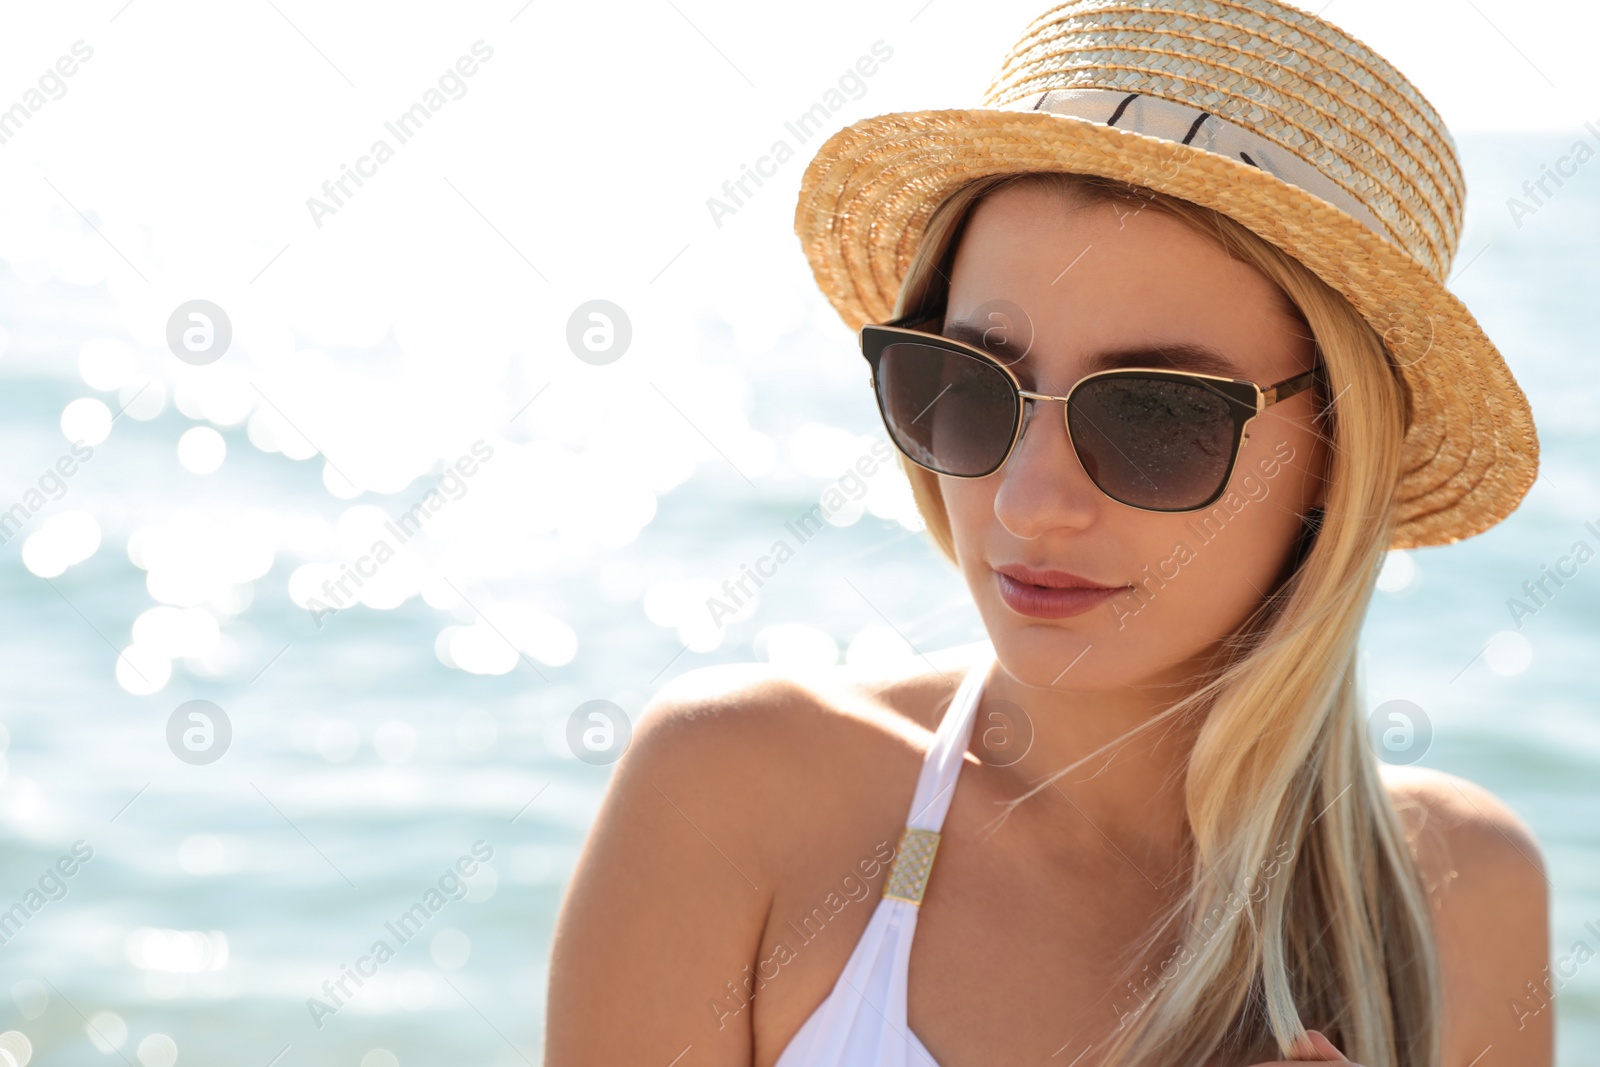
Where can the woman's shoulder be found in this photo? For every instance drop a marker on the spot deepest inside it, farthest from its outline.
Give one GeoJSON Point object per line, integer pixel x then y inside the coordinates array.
{"type": "Point", "coordinates": [1456, 826]}
{"type": "Point", "coordinates": [801, 746]}
{"type": "Point", "coordinates": [763, 704]}
{"type": "Point", "coordinates": [1491, 903]}
{"type": "Point", "coordinates": [743, 794]}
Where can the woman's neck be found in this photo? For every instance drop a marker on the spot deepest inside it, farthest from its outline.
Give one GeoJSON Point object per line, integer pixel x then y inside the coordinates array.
{"type": "Point", "coordinates": [1125, 788]}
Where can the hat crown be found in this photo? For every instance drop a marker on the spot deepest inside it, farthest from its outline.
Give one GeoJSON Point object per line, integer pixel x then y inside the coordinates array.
{"type": "Point", "coordinates": [1318, 96]}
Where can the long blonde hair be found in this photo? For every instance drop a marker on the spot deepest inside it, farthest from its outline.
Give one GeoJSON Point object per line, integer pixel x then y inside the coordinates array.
{"type": "Point", "coordinates": [1282, 788]}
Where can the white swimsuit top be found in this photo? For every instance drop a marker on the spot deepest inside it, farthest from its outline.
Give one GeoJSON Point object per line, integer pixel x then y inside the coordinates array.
{"type": "Point", "coordinates": [862, 1023]}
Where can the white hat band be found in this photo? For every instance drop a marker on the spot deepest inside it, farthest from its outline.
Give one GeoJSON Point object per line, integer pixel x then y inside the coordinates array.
{"type": "Point", "coordinates": [1155, 116]}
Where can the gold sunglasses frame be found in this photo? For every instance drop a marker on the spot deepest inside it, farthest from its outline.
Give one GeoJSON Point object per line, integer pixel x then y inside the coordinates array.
{"type": "Point", "coordinates": [1246, 399]}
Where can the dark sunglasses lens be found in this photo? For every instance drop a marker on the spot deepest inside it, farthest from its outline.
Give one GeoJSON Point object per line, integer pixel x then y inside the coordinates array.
{"type": "Point", "coordinates": [1153, 442]}
{"type": "Point", "coordinates": [947, 411]}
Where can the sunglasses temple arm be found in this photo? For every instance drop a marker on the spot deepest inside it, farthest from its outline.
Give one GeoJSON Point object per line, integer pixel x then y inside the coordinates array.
{"type": "Point", "coordinates": [1288, 387]}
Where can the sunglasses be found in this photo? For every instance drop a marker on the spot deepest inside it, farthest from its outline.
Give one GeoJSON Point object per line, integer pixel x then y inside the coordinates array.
{"type": "Point", "coordinates": [1150, 438]}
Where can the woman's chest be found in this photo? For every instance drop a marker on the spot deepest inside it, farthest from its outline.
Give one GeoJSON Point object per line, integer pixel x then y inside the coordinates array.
{"type": "Point", "coordinates": [1020, 960]}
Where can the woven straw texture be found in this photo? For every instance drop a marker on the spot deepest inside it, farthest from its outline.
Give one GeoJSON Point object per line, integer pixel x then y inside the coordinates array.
{"type": "Point", "coordinates": [1313, 91]}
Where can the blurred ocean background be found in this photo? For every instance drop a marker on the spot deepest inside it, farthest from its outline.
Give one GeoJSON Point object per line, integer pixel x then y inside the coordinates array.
{"type": "Point", "coordinates": [373, 746]}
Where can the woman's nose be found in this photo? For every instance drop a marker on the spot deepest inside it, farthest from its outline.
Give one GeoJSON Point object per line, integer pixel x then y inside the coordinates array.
{"type": "Point", "coordinates": [1042, 483]}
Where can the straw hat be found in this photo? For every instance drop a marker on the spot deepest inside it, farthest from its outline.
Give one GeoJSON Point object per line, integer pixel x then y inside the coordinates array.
{"type": "Point", "coordinates": [1259, 110]}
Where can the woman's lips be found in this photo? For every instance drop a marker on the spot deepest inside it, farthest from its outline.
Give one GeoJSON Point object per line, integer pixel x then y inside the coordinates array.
{"type": "Point", "coordinates": [1051, 602]}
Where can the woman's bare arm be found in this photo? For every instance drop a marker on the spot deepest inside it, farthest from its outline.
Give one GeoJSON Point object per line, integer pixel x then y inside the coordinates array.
{"type": "Point", "coordinates": [1493, 921]}
{"type": "Point", "coordinates": [669, 899]}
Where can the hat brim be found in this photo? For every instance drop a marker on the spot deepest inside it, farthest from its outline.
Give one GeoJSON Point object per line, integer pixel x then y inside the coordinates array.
{"type": "Point", "coordinates": [1471, 452]}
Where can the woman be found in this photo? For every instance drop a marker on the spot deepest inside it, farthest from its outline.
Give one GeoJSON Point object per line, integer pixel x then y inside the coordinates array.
{"type": "Point", "coordinates": [1170, 368]}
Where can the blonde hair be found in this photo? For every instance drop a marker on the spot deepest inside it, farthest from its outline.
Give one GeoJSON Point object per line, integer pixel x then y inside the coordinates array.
{"type": "Point", "coordinates": [1282, 788]}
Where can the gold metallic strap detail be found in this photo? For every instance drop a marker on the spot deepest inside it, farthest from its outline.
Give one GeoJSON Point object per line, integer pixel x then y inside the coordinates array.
{"type": "Point", "coordinates": [908, 878]}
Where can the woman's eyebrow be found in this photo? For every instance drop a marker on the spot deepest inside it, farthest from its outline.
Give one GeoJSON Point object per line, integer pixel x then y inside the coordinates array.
{"type": "Point", "coordinates": [1172, 355]}
{"type": "Point", "coordinates": [1175, 355]}
{"type": "Point", "coordinates": [992, 339]}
